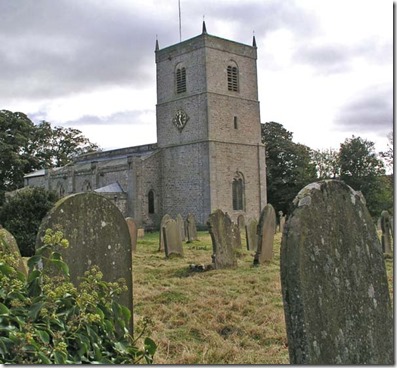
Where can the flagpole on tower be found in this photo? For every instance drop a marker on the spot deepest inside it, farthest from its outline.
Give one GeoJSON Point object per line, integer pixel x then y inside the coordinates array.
{"type": "Point", "coordinates": [180, 21]}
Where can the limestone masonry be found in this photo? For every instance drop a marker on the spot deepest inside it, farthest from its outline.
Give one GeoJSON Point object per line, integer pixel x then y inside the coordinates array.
{"type": "Point", "coordinates": [209, 153]}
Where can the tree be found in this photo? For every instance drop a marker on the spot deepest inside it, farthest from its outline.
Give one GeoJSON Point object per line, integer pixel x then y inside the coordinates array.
{"type": "Point", "coordinates": [327, 163]}
{"type": "Point", "coordinates": [388, 155]}
{"type": "Point", "coordinates": [363, 171]}
{"type": "Point", "coordinates": [16, 132]}
{"type": "Point", "coordinates": [56, 147]}
{"type": "Point", "coordinates": [22, 213]}
{"type": "Point", "coordinates": [288, 165]}
{"type": "Point", "coordinates": [25, 147]}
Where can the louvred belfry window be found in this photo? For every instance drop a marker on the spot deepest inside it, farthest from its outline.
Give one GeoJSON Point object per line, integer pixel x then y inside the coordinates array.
{"type": "Point", "coordinates": [232, 78]}
{"type": "Point", "coordinates": [181, 80]}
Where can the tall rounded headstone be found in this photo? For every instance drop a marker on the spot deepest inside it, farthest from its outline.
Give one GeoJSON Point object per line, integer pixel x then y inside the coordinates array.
{"type": "Point", "coordinates": [385, 224]}
{"type": "Point", "coordinates": [334, 284]}
{"type": "Point", "coordinates": [133, 229]}
{"type": "Point", "coordinates": [98, 235]}
{"type": "Point", "coordinates": [164, 220]}
{"type": "Point", "coordinates": [266, 230]}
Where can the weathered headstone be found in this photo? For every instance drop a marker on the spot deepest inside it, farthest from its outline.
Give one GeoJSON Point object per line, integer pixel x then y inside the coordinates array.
{"type": "Point", "coordinates": [251, 231]}
{"type": "Point", "coordinates": [98, 235]}
{"type": "Point", "coordinates": [386, 231]}
{"type": "Point", "coordinates": [172, 238]}
{"type": "Point", "coordinates": [9, 245]}
{"type": "Point", "coordinates": [241, 222]}
{"type": "Point", "coordinates": [334, 284]}
{"type": "Point", "coordinates": [141, 233]}
{"type": "Point", "coordinates": [181, 226]}
{"type": "Point", "coordinates": [220, 228]}
{"type": "Point", "coordinates": [133, 229]}
{"type": "Point", "coordinates": [236, 236]}
{"type": "Point", "coordinates": [281, 221]}
{"type": "Point", "coordinates": [191, 228]}
{"type": "Point", "coordinates": [266, 230]}
{"type": "Point", "coordinates": [165, 218]}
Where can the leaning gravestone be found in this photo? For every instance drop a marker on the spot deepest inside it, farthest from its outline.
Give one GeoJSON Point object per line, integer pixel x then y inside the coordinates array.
{"type": "Point", "coordinates": [334, 284]}
{"type": "Point", "coordinates": [241, 226]}
{"type": "Point", "coordinates": [133, 229]}
{"type": "Point", "coordinates": [266, 230]}
{"type": "Point", "coordinates": [165, 218]}
{"type": "Point", "coordinates": [220, 228]}
{"type": "Point", "coordinates": [385, 224]}
{"type": "Point", "coordinates": [191, 228]}
{"type": "Point", "coordinates": [9, 245]}
{"type": "Point", "coordinates": [251, 231]}
{"type": "Point", "coordinates": [98, 235]}
{"type": "Point", "coordinates": [181, 226]}
{"type": "Point", "coordinates": [172, 239]}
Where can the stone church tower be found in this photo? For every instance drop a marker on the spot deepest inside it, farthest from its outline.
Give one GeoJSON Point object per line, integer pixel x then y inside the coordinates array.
{"type": "Point", "coordinates": [208, 128]}
{"type": "Point", "coordinates": [209, 153]}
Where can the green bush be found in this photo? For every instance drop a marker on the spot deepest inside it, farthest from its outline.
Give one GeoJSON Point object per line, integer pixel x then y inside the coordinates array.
{"type": "Point", "coordinates": [44, 319]}
{"type": "Point", "coordinates": [22, 213]}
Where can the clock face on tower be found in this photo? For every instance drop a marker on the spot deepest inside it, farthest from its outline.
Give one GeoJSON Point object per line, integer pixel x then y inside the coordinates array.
{"type": "Point", "coordinates": [180, 119]}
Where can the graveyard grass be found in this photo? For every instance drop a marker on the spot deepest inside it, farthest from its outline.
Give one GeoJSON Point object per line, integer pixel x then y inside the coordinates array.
{"type": "Point", "coordinates": [230, 316]}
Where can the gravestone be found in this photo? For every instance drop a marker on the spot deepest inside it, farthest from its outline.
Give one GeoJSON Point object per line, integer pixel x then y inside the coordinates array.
{"type": "Point", "coordinates": [172, 239]}
{"type": "Point", "coordinates": [133, 229]}
{"type": "Point", "coordinates": [281, 221]}
{"type": "Point", "coordinates": [251, 231]}
{"type": "Point", "coordinates": [266, 230]}
{"type": "Point", "coordinates": [241, 222]}
{"type": "Point", "coordinates": [334, 284]}
{"type": "Point", "coordinates": [98, 235]}
{"type": "Point", "coordinates": [220, 228]}
{"type": "Point", "coordinates": [386, 231]}
{"type": "Point", "coordinates": [236, 236]}
{"type": "Point", "coordinates": [165, 218]}
{"type": "Point", "coordinates": [181, 226]}
{"type": "Point", "coordinates": [141, 233]}
{"type": "Point", "coordinates": [191, 228]}
{"type": "Point", "coordinates": [9, 245]}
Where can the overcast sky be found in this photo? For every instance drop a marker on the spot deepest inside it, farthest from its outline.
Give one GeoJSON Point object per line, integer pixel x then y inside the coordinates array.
{"type": "Point", "coordinates": [325, 67]}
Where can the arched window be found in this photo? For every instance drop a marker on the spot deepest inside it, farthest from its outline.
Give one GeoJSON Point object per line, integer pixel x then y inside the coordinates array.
{"type": "Point", "coordinates": [180, 79]}
{"type": "Point", "coordinates": [86, 186]}
{"type": "Point", "coordinates": [232, 78]}
{"type": "Point", "coordinates": [60, 189]}
{"type": "Point", "coordinates": [150, 198]}
{"type": "Point", "coordinates": [238, 192]}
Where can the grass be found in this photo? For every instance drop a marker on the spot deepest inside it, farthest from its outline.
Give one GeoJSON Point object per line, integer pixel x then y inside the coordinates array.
{"type": "Point", "coordinates": [215, 317]}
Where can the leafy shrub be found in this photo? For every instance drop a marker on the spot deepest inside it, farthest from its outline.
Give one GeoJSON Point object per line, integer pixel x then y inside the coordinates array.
{"type": "Point", "coordinates": [45, 319]}
{"type": "Point", "coordinates": [22, 213]}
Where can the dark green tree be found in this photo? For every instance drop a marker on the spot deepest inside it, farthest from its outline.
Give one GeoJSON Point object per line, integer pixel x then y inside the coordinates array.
{"type": "Point", "coordinates": [25, 147]}
{"type": "Point", "coordinates": [55, 147]}
{"type": "Point", "coordinates": [327, 163]}
{"type": "Point", "coordinates": [22, 213]}
{"type": "Point", "coordinates": [16, 134]}
{"type": "Point", "coordinates": [361, 168]}
{"type": "Point", "coordinates": [288, 165]}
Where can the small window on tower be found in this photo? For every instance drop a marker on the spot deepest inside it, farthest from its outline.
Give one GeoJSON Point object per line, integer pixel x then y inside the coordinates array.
{"type": "Point", "coordinates": [232, 78]}
{"type": "Point", "coordinates": [235, 122]}
{"type": "Point", "coordinates": [181, 80]}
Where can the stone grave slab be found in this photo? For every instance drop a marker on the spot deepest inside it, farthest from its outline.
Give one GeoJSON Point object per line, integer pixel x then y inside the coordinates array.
{"type": "Point", "coordinates": [334, 283]}
{"type": "Point", "coordinates": [133, 229]}
{"type": "Point", "coordinates": [172, 239]}
{"type": "Point", "coordinates": [251, 231]}
{"type": "Point", "coordinates": [220, 228]}
{"type": "Point", "coordinates": [9, 245]}
{"type": "Point", "coordinates": [266, 230]}
{"type": "Point", "coordinates": [165, 218]}
{"type": "Point", "coordinates": [98, 235]}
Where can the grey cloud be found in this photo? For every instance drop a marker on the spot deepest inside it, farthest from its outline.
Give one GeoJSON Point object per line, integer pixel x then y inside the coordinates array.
{"type": "Point", "coordinates": [52, 48]}
{"type": "Point", "coordinates": [120, 118]}
{"type": "Point", "coordinates": [336, 58]}
{"type": "Point", "coordinates": [371, 111]}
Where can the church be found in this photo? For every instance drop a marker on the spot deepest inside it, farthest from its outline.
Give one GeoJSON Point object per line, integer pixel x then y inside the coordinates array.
{"type": "Point", "coordinates": [208, 154]}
